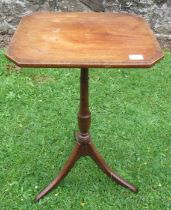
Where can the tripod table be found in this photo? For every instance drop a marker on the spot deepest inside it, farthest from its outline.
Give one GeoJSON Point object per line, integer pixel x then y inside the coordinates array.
{"type": "Point", "coordinates": [84, 40]}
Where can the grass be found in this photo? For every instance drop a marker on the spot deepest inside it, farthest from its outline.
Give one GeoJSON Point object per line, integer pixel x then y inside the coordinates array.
{"type": "Point", "coordinates": [131, 127]}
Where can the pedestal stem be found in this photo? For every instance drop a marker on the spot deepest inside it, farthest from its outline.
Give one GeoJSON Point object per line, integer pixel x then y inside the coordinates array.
{"type": "Point", "coordinates": [84, 113]}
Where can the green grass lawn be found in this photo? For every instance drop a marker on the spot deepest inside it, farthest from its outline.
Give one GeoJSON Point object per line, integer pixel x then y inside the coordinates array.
{"type": "Point", "coordinates": [131, 127]}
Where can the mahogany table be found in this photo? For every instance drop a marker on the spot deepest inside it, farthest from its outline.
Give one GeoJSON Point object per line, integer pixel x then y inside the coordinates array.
{"type": "Point", "coordinates": [84, 40]}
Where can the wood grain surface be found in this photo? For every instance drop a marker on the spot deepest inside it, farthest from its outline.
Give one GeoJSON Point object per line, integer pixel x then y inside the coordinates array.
{"type": "Point", "coordinates": [49, 39]}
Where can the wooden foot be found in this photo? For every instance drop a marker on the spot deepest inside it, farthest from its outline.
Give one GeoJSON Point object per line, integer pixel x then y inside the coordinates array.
{"type": "Point", "coordinates": [67, 167]}
{"type": "Point", "coordinates": [84, 149]}
{"type": "Point", "coordinates": [105, 168]}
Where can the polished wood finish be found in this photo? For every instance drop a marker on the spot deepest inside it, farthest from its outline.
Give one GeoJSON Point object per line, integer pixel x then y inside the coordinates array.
{"type": "Point", "coordinates": [84, 144]}
{"type": "Point", "coordinates": [47, 39]}
{"type": "Point", "coordinates": [84, 40]}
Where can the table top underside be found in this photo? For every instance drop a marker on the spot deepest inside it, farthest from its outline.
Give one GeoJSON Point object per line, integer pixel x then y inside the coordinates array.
{"type": "Point", "coordinates": [48, 39]}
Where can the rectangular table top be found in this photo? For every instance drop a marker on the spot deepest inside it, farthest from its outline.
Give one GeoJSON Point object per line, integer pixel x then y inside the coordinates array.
{"type": "Point", "coordinates": [49, 39]}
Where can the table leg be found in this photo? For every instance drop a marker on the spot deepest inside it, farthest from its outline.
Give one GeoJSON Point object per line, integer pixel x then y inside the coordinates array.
{"type": "Point", "coordinates": [84, 145]}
